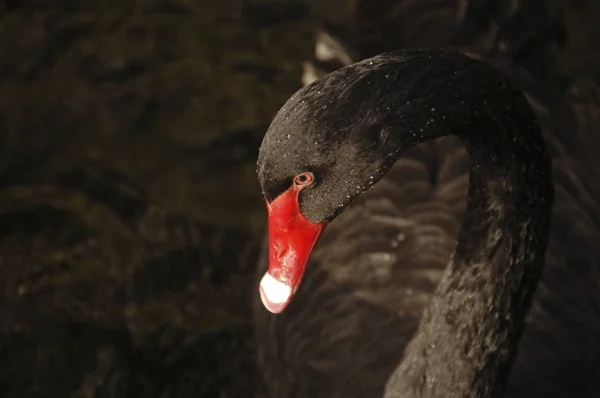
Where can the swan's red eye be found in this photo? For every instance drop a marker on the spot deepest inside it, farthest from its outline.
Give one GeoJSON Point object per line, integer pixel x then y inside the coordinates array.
{"type": "Point", "coordinates": [304, 179]}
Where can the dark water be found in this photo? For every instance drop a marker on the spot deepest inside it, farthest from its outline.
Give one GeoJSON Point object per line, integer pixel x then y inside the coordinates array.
{"type": "Point", "coordinates": [129, 209]}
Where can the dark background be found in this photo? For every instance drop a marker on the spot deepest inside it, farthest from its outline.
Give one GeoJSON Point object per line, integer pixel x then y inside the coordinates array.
{"type": "Point", "coordinates": [130, 215]}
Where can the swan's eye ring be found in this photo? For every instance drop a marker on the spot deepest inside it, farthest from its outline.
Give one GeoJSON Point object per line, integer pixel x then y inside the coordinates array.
{"type": "Point", "coordinates": [304, 179]}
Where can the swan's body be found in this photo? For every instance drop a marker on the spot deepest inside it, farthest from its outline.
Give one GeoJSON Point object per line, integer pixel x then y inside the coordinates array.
{"type": "Point", "coordinates": [347, 331]}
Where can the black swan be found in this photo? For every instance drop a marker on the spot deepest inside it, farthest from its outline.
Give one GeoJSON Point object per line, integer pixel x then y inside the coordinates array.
{"type": "Point", "coordinates": [399, 298]}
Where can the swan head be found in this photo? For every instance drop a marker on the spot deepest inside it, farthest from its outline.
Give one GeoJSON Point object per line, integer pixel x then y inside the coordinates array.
{"type": "Point", "coordinates": [337, 137]}
{"type": "Point", "coordinates": [327, 144]}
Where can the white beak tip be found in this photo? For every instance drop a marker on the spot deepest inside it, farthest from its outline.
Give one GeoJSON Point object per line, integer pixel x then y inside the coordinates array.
{"type": "Point", "coordinates": [275, 295]}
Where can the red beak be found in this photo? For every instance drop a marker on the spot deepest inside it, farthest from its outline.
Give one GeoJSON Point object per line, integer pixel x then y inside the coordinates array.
{"type": "Point", "coordinates": [291, 241]}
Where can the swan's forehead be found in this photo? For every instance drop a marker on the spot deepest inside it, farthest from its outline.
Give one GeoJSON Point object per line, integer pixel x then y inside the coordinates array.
{"type": "Point", "coordinates": [302, 137]}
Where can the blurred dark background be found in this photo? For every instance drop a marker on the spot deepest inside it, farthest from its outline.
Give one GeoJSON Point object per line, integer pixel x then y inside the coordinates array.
{"type": "Point", "coordinates": [130, 215]}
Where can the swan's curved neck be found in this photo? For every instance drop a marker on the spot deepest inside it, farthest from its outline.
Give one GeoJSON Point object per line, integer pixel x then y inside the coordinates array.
{"type": "Point", "coordinates": [467, 337]}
